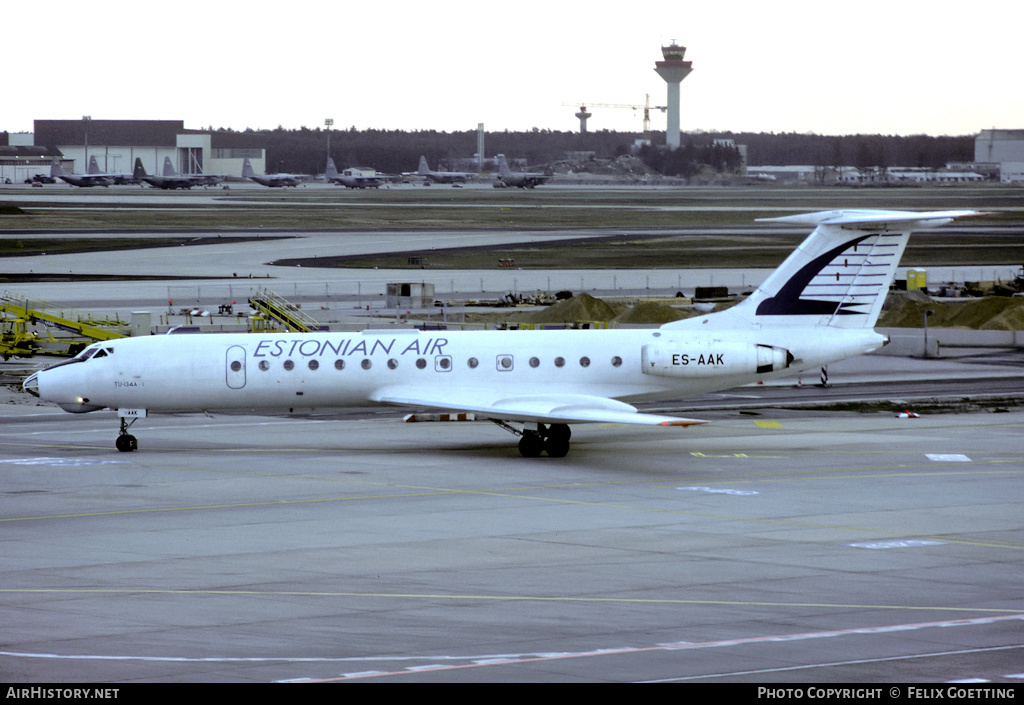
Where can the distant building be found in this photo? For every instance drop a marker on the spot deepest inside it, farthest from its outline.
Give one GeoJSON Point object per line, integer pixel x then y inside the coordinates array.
{"type": "Point", "coordinates": [731, 144]}
{"type": "Point", "coordinates": [909, 175]}
{"type": "Point", "coordinates": [785, 174]}
{"type": "Point", "coordinates": [116, 144]}
{"type": "Point", "coordinates": [847, 175]}
{"type": "Point", "coordinates": [19, 163]}
{"type": "Point", "coordinates": [1002, 147]}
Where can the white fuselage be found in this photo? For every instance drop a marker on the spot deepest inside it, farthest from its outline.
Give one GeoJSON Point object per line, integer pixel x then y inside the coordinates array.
{"type": "Point", "coordinates": [459, 369]}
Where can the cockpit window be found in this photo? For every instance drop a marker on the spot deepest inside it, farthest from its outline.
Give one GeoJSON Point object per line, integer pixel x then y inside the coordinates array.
{"type": "Point", "coordinates": [82, 356]}
{"type": "Point", "coordinates": [96, 352]}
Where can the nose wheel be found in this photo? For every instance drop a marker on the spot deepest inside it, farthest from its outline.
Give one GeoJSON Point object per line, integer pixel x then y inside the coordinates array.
{"type": "Point", "coordinates": [126, 442]}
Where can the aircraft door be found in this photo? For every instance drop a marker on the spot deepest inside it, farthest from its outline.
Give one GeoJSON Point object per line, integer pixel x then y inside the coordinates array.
{"type": "Point", "coordinates": [235, 367]}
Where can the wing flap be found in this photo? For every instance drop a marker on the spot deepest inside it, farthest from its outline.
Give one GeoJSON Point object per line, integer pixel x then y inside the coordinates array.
{"type": "Point", "coordinates": [539, 408]}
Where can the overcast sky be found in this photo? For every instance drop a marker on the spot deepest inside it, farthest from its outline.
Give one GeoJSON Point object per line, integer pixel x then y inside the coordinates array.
{"type": "Point", "coordinates": [891, 67]}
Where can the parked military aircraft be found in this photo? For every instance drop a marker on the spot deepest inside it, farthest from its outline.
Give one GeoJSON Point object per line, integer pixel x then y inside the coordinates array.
{"type": "Point", "coordinates": [198, 178]}
{"type": "Point", "coordinates": [83, 180]}
{"type": "Point", "coordinates": [442, 177]}
{"type": "Point", "coordinates": [355, 178]}
{"type": "Point", "coordinates": [273, 180]}
{"type": "Point", "coordinates": [520, 179]}
{"type": "Point", "coordinates": [819, 306]}
{"type": "Point", "coordinates": [116, 178]}
{"type": "Point", "coordinates": [165, 182]}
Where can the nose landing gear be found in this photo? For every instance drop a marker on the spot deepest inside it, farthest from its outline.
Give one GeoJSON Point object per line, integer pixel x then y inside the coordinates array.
{"type": "Point", "coordinates": [126, 442]}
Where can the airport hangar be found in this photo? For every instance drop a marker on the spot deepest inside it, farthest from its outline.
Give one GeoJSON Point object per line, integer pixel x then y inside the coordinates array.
{"type": "Point", "coordinates": [116, 144]}
{"type": "Point", "coordinates": [1004, 149]}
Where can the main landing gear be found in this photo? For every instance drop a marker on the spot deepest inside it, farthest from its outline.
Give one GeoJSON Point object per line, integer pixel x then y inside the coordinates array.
{"type": "Point", "coordinates": [126, 442]}
{"type": "Point", "coordinates": [552, 439]}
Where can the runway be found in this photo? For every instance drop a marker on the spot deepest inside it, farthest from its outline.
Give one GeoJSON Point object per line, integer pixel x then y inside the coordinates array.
{"type": "Point", "coordinates": [787, 547]}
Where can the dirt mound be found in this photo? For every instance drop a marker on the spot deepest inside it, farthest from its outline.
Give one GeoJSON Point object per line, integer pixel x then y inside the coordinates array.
{"type": "Point", "coordinates": [989, 313]}
{"type": "Point", "coordinates": [898, 298]}
{"type": "Point", "coordinates": [649, 312]}
{"type": "Point", "coordinates": [582, 307]}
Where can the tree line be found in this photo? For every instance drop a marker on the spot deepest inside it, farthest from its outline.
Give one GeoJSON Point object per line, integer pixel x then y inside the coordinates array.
{"type": "Point", "coordinates": [394, 151]}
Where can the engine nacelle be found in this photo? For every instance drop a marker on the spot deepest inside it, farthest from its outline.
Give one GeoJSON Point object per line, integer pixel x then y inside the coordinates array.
{"type": "Point", "coordinates": [714, 358]}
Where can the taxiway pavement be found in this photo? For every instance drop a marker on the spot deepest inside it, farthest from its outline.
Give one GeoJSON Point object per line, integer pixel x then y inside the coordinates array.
{"type": "Point", "coordinates": [792, 546]}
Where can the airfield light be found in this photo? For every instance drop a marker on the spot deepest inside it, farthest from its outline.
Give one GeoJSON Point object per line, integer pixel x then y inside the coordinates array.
{"type": "Point", "coordinates": [328, 123]}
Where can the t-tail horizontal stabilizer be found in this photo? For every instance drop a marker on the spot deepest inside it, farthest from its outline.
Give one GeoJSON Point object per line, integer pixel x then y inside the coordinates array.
{"type": "Point", "coordinates": [840, 275]}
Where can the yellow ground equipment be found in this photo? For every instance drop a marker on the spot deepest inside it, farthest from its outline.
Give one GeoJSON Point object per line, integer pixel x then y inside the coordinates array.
{"type": "Point", "coordinates": [21, 319]}
{"type": "Point", "coordinates": [272, 307]}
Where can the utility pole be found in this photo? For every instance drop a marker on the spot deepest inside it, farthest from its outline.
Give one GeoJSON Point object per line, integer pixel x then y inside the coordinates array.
{"type": "Point", "coordinates": [86, 119]}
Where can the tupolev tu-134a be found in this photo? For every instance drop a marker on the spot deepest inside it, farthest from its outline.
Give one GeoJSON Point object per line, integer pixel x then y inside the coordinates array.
{"type": "Point", "coordinates": [818, 307]}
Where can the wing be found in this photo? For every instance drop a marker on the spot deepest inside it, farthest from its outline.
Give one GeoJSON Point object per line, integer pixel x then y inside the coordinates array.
{"type": "Point", "coordinates": [539, 408]}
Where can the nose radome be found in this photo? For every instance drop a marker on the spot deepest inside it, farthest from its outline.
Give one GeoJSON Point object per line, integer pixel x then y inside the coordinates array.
{"type": "Point", "coordinates": [31, 385]}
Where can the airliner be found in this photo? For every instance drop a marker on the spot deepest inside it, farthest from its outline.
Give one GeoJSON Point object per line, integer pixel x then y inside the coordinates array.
{"type": "Point", "coordinates": [818, 307]}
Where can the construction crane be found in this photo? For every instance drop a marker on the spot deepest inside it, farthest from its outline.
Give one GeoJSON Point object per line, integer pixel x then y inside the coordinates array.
{"type": "Point", "coordinates": [646, 107]}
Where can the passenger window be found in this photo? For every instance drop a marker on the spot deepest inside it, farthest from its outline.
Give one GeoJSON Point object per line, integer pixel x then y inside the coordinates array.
{"type": "Point", "coordinates": [505, 363]}
{"type": "Point", "coordinates": [616, 361]}
{"type": "Point", "coordinates": [314, 365]}
{"type": "Point", "coordinates": [443, 363]}
{"type": "Point", "coordinates": [559, 362]}
{"type": "Point", "coordinates": [534, 362]}
{"type": "Point", "coordinates": [584, 361]}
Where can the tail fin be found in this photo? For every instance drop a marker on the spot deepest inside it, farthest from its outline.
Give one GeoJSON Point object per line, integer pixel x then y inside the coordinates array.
{"type": "Point", "coordinates": [423, 166]}
{"type": "Point", "coordinates": [247, 171]}
{"type": "Point", "coordinates": [94, 166]}
{"type": "Point", "coordinates": [331, 171]}
{"type": "Point", "coordinates": [503, 166]}
{"type": "Point", "coordinates": [139, 171]}
{"type": "Point", "coordinates": [169, 169]}
{"type": "Point", "coordinates": [841, 274]}
{"type": "Point", "coordinates": [55, 168]}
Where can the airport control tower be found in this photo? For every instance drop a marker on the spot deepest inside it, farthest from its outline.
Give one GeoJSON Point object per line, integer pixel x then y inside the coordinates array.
{"type": "Point", "coordinates": [673, 69]}
{"type": "Point", "coordinates": [583, 114]}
